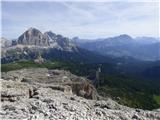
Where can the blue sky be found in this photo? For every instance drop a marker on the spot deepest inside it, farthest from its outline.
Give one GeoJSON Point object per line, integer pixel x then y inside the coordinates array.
{"type": "Point", "coordinates": [83, 19]}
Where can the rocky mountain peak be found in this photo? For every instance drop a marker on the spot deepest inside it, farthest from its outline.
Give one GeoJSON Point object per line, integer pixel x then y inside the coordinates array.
{"type": "Point", "coordinates": [51, 36]}
{"type": "Point", "coordinates": [50, 33]}
{"type": "Point", "coordinates": [33, 37]}
{"type": "Point", "coordinates": [59, 41]}
{"type": "Point", "coordinates": [123, 37]}
{"type": "Point", "coordinates": [5, 42]}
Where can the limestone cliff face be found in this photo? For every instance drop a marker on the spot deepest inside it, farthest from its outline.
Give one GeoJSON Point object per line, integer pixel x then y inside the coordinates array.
{"type": "Point", "coordinates": [60, 42]}
{"type": "Point", "coordinates": [33, 37]}
{"type": "Point", "coordinates": [49, 39]}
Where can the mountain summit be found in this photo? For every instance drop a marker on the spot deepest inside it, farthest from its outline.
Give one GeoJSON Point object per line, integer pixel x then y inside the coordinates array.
{"type": "Point", "coordinates": [58, 41]}
{"type": "Point", "coordinates": [141, 48]}
{"type": "Point", "coordinates": [33, 37]}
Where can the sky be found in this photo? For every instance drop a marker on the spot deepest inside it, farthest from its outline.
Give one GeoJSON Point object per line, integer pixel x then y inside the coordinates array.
{"type": "Point", "coordinates": [82, 19]}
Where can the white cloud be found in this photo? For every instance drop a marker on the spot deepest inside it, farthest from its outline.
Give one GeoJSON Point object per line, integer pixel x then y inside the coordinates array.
{"type": "Point", "coordinates": [84, 19]}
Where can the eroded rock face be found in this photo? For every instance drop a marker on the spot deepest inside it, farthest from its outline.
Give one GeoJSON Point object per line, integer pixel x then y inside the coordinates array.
{"type": "Point", "coordinates": [60, 42]}
{"type": "Point", "coordinates": [33, 37]}
{"type": "Point", "coordinates": [13, 91]}
{"type": "Point", "coordinates": [42, 102]}
{"type": "Point", "coordinates": [55, 79]}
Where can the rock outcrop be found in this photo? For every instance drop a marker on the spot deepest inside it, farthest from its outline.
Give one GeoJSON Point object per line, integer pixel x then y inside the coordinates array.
{"type": "Point", "coordinates": [33, 102]}
{"type": "Point", "coordinates": [41, 94]}
{"type": "Point", "coordinates": [55, 79]}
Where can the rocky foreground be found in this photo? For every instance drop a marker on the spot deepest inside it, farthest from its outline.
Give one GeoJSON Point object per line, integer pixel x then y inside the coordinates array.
{"type": "Point", "coordinates": [41, 94]}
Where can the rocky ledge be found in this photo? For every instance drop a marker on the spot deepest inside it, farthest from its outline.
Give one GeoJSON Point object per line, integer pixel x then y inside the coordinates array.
{"type": "Point", "coordinates": [38, 99]}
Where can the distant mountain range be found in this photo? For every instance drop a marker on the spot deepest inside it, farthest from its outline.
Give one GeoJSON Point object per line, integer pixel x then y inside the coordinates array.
{"type": "Point", "coordinates": [143, 48]}
{"type": "Point", "coordinates": [54, 46]}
